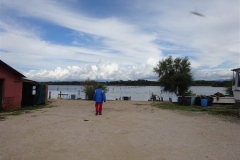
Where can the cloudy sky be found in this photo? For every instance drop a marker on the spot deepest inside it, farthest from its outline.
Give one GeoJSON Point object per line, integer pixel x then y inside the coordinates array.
{"type": "Point", "coordinates": [106, 40]}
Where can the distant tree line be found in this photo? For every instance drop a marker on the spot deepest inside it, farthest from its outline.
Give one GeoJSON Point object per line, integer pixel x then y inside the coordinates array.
{"type": "Point", "coordinates": [212, 83]}
{"type": "Point", "coordinates": [142, 82]}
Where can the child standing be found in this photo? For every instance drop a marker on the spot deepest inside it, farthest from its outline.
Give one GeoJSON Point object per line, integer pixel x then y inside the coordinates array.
{"type": "Point", "coordinates": [99, 97]}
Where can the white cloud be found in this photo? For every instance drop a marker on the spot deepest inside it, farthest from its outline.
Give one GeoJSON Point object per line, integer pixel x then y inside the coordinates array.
{"type": "Point", "coordinates": [213, 74]}
{"type": "Point", "coordinates": [128, 45]}
{"type": "Point", "coordinates": [103, 70]}
{"type": "Point", "coordinates": [125, 38]}
{"type": "Point", "coordinates": [120, 37]}
{"type": "Point", "coordinates": [212, 36]}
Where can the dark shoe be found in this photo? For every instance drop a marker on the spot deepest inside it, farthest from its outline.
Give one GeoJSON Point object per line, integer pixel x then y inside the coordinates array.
{"type": "Point", "coordinates": [100, 113]}
{"type": "Point", "coordinates": [96, 113]}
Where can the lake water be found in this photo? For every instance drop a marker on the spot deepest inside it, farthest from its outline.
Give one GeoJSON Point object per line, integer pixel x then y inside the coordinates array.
{"type": "Point", "coordinates": [137, 93]}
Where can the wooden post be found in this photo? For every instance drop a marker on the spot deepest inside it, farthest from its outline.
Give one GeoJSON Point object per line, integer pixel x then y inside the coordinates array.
{"type": "Point", "coordinates": [49, 95]}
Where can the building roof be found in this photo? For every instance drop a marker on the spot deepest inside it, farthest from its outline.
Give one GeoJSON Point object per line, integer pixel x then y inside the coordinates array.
{"type": "Point", "coordinates": [236, 69]}
{"type": "Point", "coordinates": [29, 81]}
{"type": "Point", "coordinates": [4, 65]}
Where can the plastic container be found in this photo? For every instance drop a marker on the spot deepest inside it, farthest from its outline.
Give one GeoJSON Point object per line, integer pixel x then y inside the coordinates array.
{"type": "Point", "coordinates": [204, 102]}
{"type": "Point", "coordinates": [210, 100]}
{"type": "Point", "coordinates": [193, 100]}
{"type": "Point", "coordinates": [126, 98]}
{"type": "Point", "coordinates": [73, 96]}
{"type": "Point", "coordinates": [185, 101]}
{"type": "Point", "coordinates": [198, 101]}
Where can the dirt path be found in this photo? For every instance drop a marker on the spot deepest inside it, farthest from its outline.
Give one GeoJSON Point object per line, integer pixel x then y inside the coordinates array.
{"type": "Point", "coordinates": [127, 130]}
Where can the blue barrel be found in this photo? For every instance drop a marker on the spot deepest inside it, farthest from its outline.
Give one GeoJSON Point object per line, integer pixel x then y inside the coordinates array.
{"type": "Point", "coordinates": [204, 102]}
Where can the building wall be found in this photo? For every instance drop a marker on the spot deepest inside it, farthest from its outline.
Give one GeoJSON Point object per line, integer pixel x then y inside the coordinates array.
{"type": "Point", "coordinates": [46, 94]}
{"type": "Point", "coordinates": [12, 89]}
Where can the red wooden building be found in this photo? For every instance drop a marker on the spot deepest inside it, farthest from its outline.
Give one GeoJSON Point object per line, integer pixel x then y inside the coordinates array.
{"type": "Point", "coordinates": [16, 92]}
{"type": "Point", "coordinates": [10, 87]}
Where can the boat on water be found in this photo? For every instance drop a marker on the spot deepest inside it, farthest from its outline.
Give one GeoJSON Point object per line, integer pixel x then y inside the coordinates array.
{"type": "Point", "coordinates": [236, 86]}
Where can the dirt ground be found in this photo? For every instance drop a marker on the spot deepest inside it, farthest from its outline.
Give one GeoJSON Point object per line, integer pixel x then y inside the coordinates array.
{"type": "Point", "coordinates": [127, 130]}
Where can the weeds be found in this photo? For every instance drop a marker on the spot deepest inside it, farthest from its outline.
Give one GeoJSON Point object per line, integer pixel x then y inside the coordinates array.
{"type": "Point", "coordinates": [2, 118]}
{"type": "Point", "coordinates": [18, 111]}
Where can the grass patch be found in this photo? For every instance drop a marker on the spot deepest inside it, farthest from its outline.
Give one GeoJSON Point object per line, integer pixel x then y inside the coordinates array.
{"type": "Point", "coordinates": [215, 109]}
{"type": "Point", "coordinates": [137, 104]}
{"type": "Point", "coordinates": [18, 111]}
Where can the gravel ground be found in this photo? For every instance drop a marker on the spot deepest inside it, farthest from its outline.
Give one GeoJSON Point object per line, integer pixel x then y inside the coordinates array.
{"type": "Point", "coordinates": [127, 130]}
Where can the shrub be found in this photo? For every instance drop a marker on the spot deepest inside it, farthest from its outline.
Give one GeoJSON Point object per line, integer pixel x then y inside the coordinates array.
{"type": "Point", "coordinates": [90, 87]}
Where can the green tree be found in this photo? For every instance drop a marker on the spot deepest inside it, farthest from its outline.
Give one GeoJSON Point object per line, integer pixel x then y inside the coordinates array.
{"type": "Point", "coordinates": [228, 87]}
{"type": "Point", "coordinates": [174, 74]}
{"type": "Point", "coordinates": [90, 86]}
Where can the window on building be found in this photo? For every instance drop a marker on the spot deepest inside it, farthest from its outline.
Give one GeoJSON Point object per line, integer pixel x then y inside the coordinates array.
{"type": "Point", "coordinates": [34, 90]}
